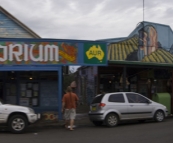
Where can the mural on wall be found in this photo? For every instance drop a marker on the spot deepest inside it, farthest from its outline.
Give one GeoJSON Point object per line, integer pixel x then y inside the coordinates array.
{"type": "Point", "coordinates": [90, 91]}
{"type": "Point", "coordinates": [143, 46]}
{"type": "Point", "coordinates": [86, 84]}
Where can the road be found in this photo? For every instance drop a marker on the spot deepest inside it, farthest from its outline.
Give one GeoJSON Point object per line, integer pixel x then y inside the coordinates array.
{"type": "Point", "coordinates": [132, 132]}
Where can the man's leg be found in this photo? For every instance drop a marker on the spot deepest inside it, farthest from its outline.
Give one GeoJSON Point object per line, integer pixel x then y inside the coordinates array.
{"type": "Point", "coordinates": [67, 118]}
{"type": "Point", "coordinates": [72, 117]}
{"type": "Point", "coordinates": [67, 123]}
{"type": "Point", "coordinates": [71, 124]}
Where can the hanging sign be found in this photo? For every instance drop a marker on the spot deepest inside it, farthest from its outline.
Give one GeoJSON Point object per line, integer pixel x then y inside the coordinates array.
{"type": "Point", "coordinates": [95, 53]}
{"type": "Point", "coordinates": [52, 53]}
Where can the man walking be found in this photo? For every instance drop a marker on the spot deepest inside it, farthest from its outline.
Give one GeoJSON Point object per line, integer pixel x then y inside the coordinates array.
{"type": "Point", "coordinates": [69, 103]}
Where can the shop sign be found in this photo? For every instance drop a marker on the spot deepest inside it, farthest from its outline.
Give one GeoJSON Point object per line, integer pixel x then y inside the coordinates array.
{"type": "Point", "coordinates": [95, 53]}
{"type": "Point", "coordinates": [38, 53]}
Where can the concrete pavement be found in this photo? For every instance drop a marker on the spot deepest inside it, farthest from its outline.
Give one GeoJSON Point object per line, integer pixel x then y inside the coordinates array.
{"type": "Point", "coordinates": [81, 119]}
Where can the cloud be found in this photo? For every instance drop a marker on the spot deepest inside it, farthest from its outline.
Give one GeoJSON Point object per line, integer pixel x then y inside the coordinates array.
{"type": "Point", "coordinates": [87, 19]}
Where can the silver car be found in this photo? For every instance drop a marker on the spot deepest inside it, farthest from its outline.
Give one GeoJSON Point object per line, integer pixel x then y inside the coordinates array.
{"type": "Point", "coordinates": [110, 108]}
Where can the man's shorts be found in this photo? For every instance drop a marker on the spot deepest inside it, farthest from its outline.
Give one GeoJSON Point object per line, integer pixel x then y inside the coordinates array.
{"type": "Point", "coordinates": [70, 114]}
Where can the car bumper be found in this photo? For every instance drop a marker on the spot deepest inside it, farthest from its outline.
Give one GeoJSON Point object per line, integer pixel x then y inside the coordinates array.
{"type": "Point", "coordinates": [166, 113]}
{"type": "Point", "coordinates": [96, 116]}
{"type": "Point", "coordinates": [33, 117]}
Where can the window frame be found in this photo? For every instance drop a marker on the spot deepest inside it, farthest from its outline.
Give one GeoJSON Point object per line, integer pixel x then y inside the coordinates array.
{"type": "Point", "coordinates": [137, 100]}
{"type": "Point", "coordinates": [116, 101]}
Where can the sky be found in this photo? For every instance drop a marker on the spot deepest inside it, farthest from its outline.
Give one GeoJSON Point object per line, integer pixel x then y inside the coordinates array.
{"type": "Point", "coordinates": [88, 19]}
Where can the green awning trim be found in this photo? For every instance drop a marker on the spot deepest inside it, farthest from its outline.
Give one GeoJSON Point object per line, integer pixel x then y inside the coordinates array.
{"type": "Point", "coordinates": [139, 63]}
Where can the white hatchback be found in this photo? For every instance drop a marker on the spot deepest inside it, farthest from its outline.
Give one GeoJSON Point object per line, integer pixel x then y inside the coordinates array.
{"type": "Point", "coordinates": [17, 118]}
{"type": "Point", "coordinates": [110, 108]}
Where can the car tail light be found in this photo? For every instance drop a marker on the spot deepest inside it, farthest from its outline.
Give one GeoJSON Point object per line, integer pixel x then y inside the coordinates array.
{"type": "Point", "coordinates": [102, 104]}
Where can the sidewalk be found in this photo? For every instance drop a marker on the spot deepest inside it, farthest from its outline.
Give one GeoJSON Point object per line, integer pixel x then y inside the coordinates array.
{"type": "Point", "coordinates": [81, 119]}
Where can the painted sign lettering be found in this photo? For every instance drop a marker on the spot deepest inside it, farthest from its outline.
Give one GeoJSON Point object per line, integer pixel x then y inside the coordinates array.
{"type": "Point", "coordinates": [38, 53]}
{"type": "Point", "coordinates": [20, 52]}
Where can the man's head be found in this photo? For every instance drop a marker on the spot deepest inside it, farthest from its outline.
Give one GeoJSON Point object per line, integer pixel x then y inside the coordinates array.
{"type": "Point", "coordinates": [69, 89]}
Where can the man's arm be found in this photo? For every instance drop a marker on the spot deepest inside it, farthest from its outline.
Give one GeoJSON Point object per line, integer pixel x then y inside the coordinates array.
{"type": "Point", "coordinates": [63, 104]}
{"type": "Point", "coordinates": [63, 107]}
{"type": "Point", "coordinates": [77, 101]}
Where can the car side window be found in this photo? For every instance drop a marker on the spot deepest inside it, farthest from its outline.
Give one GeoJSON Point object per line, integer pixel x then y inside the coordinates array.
{"type": "Point", "coordinates": [142, 99]}
{"type": "Point", "coordinates": [116, 98]}
{"type": "Point", "coordinates": [135, 98]}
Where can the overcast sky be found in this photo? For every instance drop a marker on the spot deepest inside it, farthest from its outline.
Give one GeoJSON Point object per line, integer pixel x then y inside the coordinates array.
{"type": "Point", "coordinates": [88, 19]}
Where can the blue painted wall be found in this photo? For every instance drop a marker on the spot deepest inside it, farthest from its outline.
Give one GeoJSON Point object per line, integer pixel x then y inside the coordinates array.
{"type": "Point", "coordinates": [10, 29]}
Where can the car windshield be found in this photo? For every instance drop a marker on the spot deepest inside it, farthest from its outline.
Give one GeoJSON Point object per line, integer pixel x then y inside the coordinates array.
{"type": "Point", "coordinates": [97, 99]}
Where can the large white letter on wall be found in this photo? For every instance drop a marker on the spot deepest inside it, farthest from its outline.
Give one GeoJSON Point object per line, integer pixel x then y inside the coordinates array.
{"type": "Point", "coordinates": [40, 58]}
{"type": "Point", "coordinates": [49, 52]}
{"type": "Point", "coordinates": [15, 53]}
{"type": "Point", "coordinates": [4, 53]}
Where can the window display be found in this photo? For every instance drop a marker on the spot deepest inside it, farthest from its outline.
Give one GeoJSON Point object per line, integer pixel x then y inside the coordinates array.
{"type": "Point", "coordinates": [29, 93]}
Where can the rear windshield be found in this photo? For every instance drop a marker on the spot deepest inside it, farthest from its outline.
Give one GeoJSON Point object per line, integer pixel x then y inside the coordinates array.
{"type": "Point", "coordinates": [97, 99]}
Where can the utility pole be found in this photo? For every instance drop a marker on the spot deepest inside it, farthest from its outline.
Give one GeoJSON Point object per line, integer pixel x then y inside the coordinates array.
{"type": "Point", "coordinates": [143, 10]}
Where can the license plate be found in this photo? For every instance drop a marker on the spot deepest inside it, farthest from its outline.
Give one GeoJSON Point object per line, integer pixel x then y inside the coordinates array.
{"type": "Point", "coordinates": [93, 108]}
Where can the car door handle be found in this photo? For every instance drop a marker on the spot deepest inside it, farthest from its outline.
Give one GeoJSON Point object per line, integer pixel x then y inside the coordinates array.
{"type": "Point", "coordinates": [131, 105]}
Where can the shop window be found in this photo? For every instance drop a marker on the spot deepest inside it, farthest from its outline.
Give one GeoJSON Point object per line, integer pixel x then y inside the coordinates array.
{"type": "Point", "coordinates": [11, 92]}
{"type": "Point", "coordinates": [47, 75]}
{"type": "Point", "coordinates": [107, 82]}
{"type": "Point", "coordinates": [133, 84]}
{"type": "Point", "coordinates": [11, 75]}
{"type": "Point", "coordinates": [29, 94]}
{"type": "Point", "coordinates": [30, 75]}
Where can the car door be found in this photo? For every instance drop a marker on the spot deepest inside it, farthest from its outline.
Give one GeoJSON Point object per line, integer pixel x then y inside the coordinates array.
{"type": "Point", "coordinates": [116, 102]}
{"type": "Point", "coordinates": [139, 106]}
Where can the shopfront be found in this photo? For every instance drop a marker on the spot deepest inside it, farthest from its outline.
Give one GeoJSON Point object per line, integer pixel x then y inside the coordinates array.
{"type": "Point", "coordinates": [141, 62]}
{"type": "Point", "coordinates": [31, 69]}
{"type": "Point", "coordinates": [144, 80]}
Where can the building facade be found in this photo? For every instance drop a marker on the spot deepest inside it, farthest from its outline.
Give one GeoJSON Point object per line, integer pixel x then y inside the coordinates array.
{"type": "Point", "coordinates": [141, 62]}
{"type": "Point", "coordinates": [31, 67]}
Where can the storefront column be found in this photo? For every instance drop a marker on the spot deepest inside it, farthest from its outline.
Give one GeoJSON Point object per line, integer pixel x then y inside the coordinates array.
{"type": "Point", "coordinates": [172, 94]}
{"type": "Point", "coordinates": [60, 94]}
{"type": "Point", "coordinates": [124, 78]}
{"type": "Point", "coordinates": [18, 89]}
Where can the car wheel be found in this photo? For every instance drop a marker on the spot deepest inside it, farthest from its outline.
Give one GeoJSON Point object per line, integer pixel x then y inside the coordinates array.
{"type": "Point", "coordinates": [97, 123]}
{"type": "Point", "coordinates": [159, 116]}
{"type": "Point", "coordinates": [17, 124]}
{"type": "Point", "coordinates": [111, 120]}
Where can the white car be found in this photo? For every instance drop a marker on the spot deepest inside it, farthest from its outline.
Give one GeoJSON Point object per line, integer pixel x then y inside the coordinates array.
{"type": "Point", "coordinates": [17, 118]}
{"type": "Point", "coordinates": [110, 108]}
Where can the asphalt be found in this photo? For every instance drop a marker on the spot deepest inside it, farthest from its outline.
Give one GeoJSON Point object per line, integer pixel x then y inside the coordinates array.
{"type": "Point", "coordinates": [82, 119]}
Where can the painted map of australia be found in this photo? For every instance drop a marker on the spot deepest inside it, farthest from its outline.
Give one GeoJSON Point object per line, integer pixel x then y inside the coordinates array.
{"type": "Point", "coordinates": [95, 52]}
